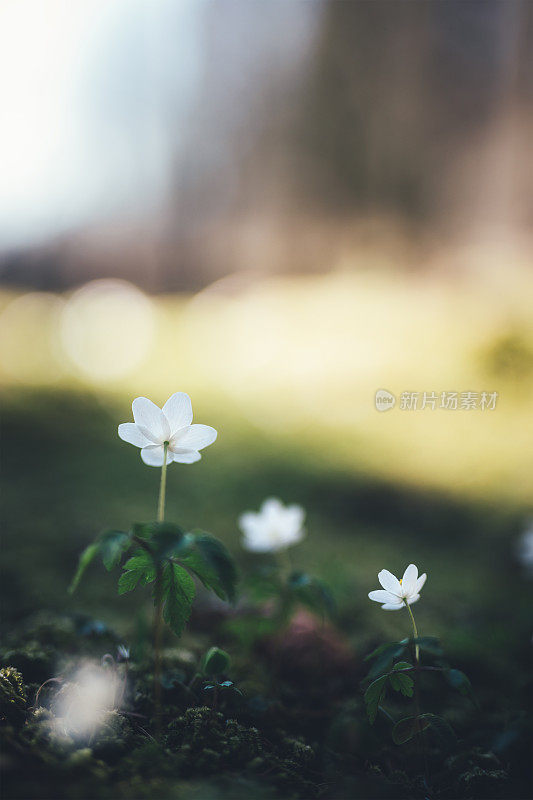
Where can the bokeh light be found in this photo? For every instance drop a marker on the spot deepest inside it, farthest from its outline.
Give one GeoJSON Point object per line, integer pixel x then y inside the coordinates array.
{"type": "Point", "coordinates": [82, 704]}
{"type": "Point", "coordinates": [107, 329]}
{"type": "Point", "coordinates": [29, 339]}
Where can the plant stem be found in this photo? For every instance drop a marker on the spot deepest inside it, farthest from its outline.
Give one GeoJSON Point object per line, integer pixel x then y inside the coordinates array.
{"type": "Point", "coordinates": [158, 619]}
{"type": "Point", "coordinates": [285, 562]}
{"type": "Point", "coordinates": [417, 649]}
{"type": "Point", "coordinates": [158, 597]}
{"type": "Point", "coordinates": [285, 570]}
{"type": "Point", "coordinates": [421, 737]}
{"type": "Point", "coordinates": [162, 486]}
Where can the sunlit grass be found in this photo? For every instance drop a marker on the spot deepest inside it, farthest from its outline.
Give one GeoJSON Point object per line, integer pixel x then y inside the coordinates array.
{"type": "Point", "coordinates": [299, 361]}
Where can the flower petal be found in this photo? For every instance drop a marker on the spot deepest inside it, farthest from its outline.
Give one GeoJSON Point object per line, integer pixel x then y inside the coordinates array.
{"type": "Point", "coordinates": [409, 580]}
{"type": "Point", "coordinates": [260, 544]}
{"type": "Point", "coordinates": [153, 455]}
{"type": "Point", "coordinates": [390, 582]}
{"type": "Point", "coordinates": [186, 458]}
{"type": "Point", "coordinates": [248, 522]}
{"type": "Point", "coordinates": [381, 596]}
{"type": "Point", "coordinates": [420, 582]}
{"type": "Point", "coordinates": [293, 536]}
{"type": "Point", "coordinates": [151, 420]}
{"type": "Point", "coordinates": [271, 506]}
{"type": "Point", "coordinates": [195, 437]}
{"type": "Point", "coordinates": [392, 606]}
{"type": "Point", "coordinates": [178, 411]}
{"type": "Point", "coordinates": [295, 516]}
{"type": "Point", "coordinates": [413, 599]}
{"type": "Point", "coordinates": [129, 432]}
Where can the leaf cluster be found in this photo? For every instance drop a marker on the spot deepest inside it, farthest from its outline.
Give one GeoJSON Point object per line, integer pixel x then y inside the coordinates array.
{"type": "Point", "coordinates": [162, 554]}
{"type": "Point", "coordinates": [389, 671]}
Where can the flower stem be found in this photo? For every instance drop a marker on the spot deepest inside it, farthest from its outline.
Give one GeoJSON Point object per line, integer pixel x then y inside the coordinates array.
{"type": "Point", "coordinates": [285, 562]}
{"type": "Point", "coordinates": [417, 649]}
{"type": "Point", "coordinates": [162, 486]}
{"type": "Point", "coordinates": [421, 737]}
{"type": "Point", "coordinates": [158, 597]}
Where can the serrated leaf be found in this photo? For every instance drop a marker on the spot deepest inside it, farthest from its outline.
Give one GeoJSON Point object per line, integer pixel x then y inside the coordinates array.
{"type": "Point", "coordinates": [408, 727]}
{"type": "Point", "coordinates": [140, 560]}
{"type": "Point", "coordinates": [128, 581]}
{"type": "Point", "coordinates": [88, 555]}
{"type": "Point", "coordinates": [400, 681]}
{"type": "Point", "coordinates": [216, 661]}
{"type": "Point", "coordinates": [373, 697]}
{"type": "Point", "coordinates": [140, 568]}
{"type": "Point", "coordinates": [112, 544]}
{"type": "Point", "coordinates": [209, 560]}
{"type": "Point", "coordinates": [178, 592]}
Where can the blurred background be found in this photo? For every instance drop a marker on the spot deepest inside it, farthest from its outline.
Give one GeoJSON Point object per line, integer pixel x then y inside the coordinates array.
{"type": "Point", "coordinates": [279, 208]}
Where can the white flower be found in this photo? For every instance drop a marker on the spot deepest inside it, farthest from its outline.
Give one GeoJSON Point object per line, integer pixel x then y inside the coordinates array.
{"type": "Point", "coordinates": [396, 593]}
{"type": "Point", "coordinates": [153, 427]}
{"type": "Point", "coordinates": [273, 528]}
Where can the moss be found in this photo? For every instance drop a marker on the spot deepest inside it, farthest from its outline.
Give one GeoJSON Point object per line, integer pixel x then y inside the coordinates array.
{"type": "Point", "coordinates": [12, 694]}
{"type": "Point", "coordinates": [477, 773]}
{"type": "Point", "coordinates": [114, 739]}
{"type": "Point", "coordinates": [205, 742]}
{"type": "Point", "coordinates": [32, 659]}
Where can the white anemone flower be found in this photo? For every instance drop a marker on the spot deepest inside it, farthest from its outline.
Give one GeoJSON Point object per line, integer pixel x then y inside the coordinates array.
{"type": "Point", "coordinates": [171, 426]}
{"type": "Point", "coordinates": [397, 593]}
{"type": "Point", "coordinates": [273, 528]}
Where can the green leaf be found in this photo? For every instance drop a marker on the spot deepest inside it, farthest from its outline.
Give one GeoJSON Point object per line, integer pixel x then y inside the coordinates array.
{"type": "Point", "coordinates": [88, 555]}
{"type": "Point", "coordinates": [373, 697]}
{"type": "Point", "coordinates": [312, 592]}
{"type": "Point", "coordinates": [209, 560]}
{"type": "Point", "coordinates": [165, 539]}
{"type": "Point", "coordinates": [139, 568]}
{"type": "Point", "coordinates": [142, 530]}
{"type": "Point", "coordinates": [402, 682]}
{"type": "Point", "coordinates": [408, 727]}
{"type": "Point", "coordinates": [441, 729]}
{"type": "Point", "coordinates": [216, 661]}
{"type": "Point", "coordinates": [428, 644]}
{"type": "Point", "coordinates": [458, 680]}
{"type": "Point", "coordinates": [384, 656]}
{"type": "Point", "coordinates": [178, 592]}
{"type": "Point", "coordinates": [112, 544]}
{"type": "Point", "coordinates": [128, 581]}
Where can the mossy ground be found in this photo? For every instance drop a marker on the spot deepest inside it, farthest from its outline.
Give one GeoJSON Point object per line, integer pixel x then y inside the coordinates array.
{"type": "Point", "coordinates": [300, 728]}
{"type": "Point", "coordinates": [267, 733]}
